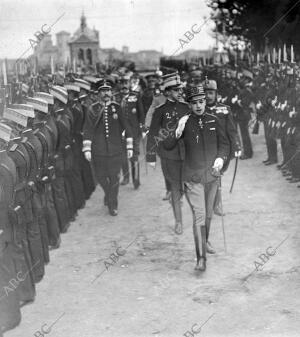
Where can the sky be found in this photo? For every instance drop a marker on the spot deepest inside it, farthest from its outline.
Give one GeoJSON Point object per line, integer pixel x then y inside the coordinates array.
{"type": "Point", "coordinates": [138, 24]}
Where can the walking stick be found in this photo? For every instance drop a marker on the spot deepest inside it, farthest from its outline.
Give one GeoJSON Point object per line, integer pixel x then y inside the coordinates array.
{"type": "Point", "coordinates": [145, 153]}
{"type": "Point", "coordinates": [223, 223]}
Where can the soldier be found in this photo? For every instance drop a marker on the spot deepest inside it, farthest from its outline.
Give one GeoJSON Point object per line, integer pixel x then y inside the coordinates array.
{"type": "Point", "coordinates": [85, 102]}
{"type": "Point", "coordinates": [165, 117]}
{"type": "Point", "coordinates": [149, 92]}
{"type": "Point", "coordinates": [22, 220]}
{"type": "Point", "coordinates": [240, 103]}
{"type": "Point", "coordinates": [9, 301]}
{"type": "Point", "coordinates": [63, 164]}
{"type": "Point", "coordinates": [206, 149]}
{"type": "Point", "coordinates": [213, 190]}
{"type": "Point", "coordinates": [133, 112]}
{"type": "Point", "coordinates": [78, 118]}
{"type": "Point", "coordinates": [102, 143]}
{"type": "Point", "coordinates": [45, 131]}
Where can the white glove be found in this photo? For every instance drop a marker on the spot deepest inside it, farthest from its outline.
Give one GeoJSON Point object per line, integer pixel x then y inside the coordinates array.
{"type": "Point", "coordinates": [274, 101]}
{"type": "Point", "coordinates": [152, 164]}
{"type": "Point", "coordinates": [181, 125]}
{"type": "Point", "coordinates": [237, 154]}
{"type": "Point", "coordinates": [258, 105]}
{"type": "Point", "coordinates": [292, 113]}
{"type": "Point", "coordinates": [234, 99]}
{"type": "Point", "coordinates": [144, 134]}
{"type": "Point", "coordinates": [218, 164]}
{"type": "Point", "coordinates": [88, 155]}
{"type": "Point", "coordinates": [129, 154]}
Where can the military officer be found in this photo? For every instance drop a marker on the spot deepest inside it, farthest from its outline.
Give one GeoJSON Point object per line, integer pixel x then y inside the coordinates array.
{"type": "Point", "coordinates": [224, 114]}
{"type": "Point", "coordinates": [163, 121]}
{"type": "Point", "coordinates": [102, 143]}
{"type": "Point", "coordinates": [133, 112]}
{"type": "Point", "coordinates": [206, 149]}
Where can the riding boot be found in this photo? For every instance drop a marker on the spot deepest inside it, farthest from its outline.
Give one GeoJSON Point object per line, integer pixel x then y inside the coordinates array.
{"type": "Point", "coordinates": [135, 172]}
{"type": "Point", "coordinates": [209, 247]}
{"type": "Point", "coordinates": [176, 205]}
{"type": "Point", "coordinates": [200, 244]}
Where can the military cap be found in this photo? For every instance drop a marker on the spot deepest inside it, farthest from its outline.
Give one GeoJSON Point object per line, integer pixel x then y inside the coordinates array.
{"type": "Point", "coordinates": [15, 116]}
{"type": "Point", "coordinates": [5, 132]}
{"type": "Point", "coordinates": [59, 93]}
{"type": "Point", "coordinates": [82, 84]}
{"type": "Point", "coordinates": [45, 96]}
{"type": "Point", "coordinates": [196, 73]}
{"type": "Point", "coordinates": [195, 92]}
{"type": "Point", "coordinates": [24, 109]}
{"type": "Point", "coordinates": [210, 85]}
{"type": "Point", "coordinates": [38, 104]}
{"type": "Point", "coordinates": [105, 84]}
{"type": "Point", "coordinates": [171, 81]}
{"type": "Point", "coordinates": [72, 87]}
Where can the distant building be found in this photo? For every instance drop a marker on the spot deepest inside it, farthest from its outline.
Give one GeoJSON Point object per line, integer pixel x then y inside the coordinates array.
{"type": "Point", "coordinates": [84, 45]}
{"type": "Point", "coordinates": [45, 50]}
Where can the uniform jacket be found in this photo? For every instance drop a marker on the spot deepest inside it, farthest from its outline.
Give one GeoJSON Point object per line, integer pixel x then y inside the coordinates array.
{"type": "Point", "coordinates": [156, 102]}
{"type": "Point", "coordinates": [103, 129]}
{"type": "Point", "coordinates": [133, 111]}
{"type": "Point", "coordinates": [163, 122]}
{"type": "Point", "coordinates": [204, 140]}
{"type": "Point", "coordinates": [224, 114]}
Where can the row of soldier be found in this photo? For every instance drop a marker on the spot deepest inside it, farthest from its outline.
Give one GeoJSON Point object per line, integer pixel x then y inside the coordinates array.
{"type": "Point", "coordinates": [44, 180]}
{"type": "Point", "coordinates": [46, 176]}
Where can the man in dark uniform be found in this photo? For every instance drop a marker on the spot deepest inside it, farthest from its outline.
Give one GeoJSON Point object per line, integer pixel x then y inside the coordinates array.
{"type": "Point", "coordinates": [133, 111]}
{"type": "Point", "coordinates": [163, 121]}
{"type": "Point", "coordinates": [206, 149]}
{"type": "Point", "coordinates": [102, 143]}
{"type": "Point", "coordinates": [240, 103]}
{"type": "Point", "coordinates": [212, 190]}
{"type": "Point", "coordinates": [78, 119]}
{"type": "Point", "coordinates": [9, 300]}
{"type": "Point", "coordinates": [149, 92]}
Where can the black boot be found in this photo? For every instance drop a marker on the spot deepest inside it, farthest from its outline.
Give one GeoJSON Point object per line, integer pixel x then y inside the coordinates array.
{"type": "Point", "coordinates": [209, 247]}
{"type": "Point", "coordinates": [176, 205]}
{"type": "Point", "coordinates": [200, 242]}
{"type": "Point", "coordinates": [135, 173]}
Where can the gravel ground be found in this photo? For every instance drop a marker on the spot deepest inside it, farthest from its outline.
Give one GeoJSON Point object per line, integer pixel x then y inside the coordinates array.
{"type": "Point", "coordinates": [151, 288]}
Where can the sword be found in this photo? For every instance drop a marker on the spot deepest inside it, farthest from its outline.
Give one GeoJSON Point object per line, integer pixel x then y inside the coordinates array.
{"type": "Point", "coordinates": [234, 174]}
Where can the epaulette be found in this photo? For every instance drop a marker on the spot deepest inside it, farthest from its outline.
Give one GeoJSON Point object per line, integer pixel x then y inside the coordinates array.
{"type": "Point", "coordinates": [160, 105]}
{"type": "Point", "coordinates": [222, 109]}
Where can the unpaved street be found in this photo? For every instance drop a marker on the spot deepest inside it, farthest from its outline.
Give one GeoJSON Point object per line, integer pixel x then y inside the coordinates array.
{"type": "Point", "coordinates": [152, 289]}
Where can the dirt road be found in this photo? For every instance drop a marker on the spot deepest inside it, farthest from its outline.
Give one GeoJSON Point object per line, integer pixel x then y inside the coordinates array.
{"type": "Point", "coordinates": [151, 289]}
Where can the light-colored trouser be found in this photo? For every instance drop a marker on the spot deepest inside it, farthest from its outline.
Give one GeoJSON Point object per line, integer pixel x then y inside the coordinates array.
{"type": "Point", "coordinates": [195, 196]}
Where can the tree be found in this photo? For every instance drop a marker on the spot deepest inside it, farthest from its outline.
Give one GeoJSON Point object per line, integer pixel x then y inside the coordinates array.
{"type": "Point", "coordinates": [265, 23]}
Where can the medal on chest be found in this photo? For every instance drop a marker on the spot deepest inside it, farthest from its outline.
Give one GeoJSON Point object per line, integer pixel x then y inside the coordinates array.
{"type": "Point", "coordinates": [200, 123]}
